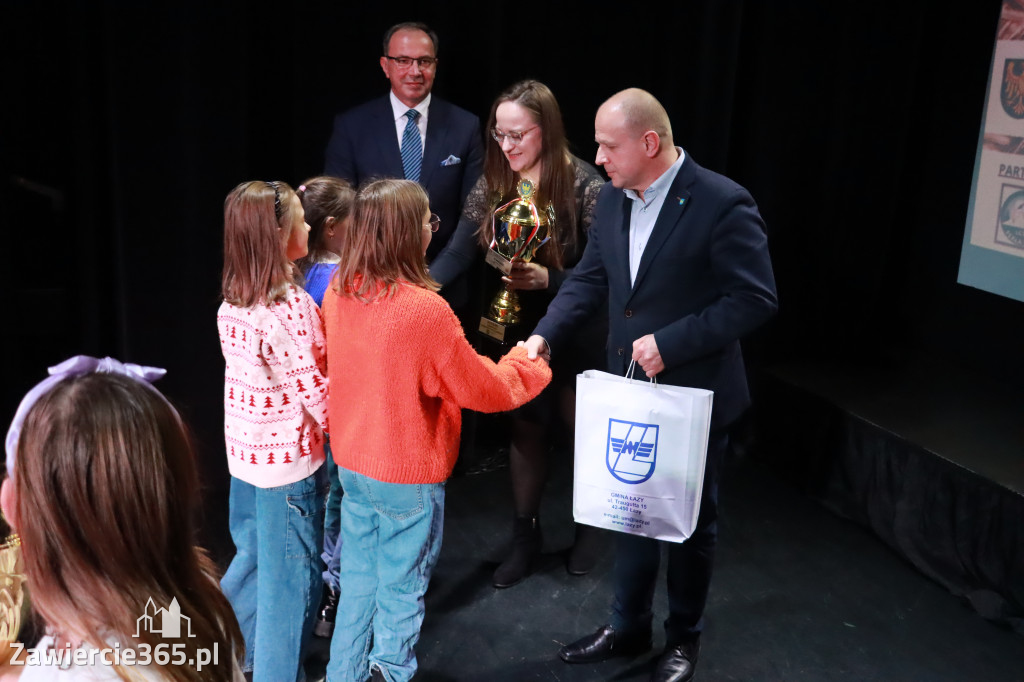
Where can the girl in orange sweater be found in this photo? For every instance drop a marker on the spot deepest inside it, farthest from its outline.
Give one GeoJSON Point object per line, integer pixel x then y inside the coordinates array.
{"type": "Point", "coordinates": [395, 420]}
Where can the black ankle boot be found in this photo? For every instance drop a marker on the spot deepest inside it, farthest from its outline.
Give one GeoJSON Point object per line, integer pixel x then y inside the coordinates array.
{"type": "Point", "coordinates": [586, 550]}
{"type": "Point", "coordinates": [324, 625]}
{"type": "Point", "coordinates": [526, 542]}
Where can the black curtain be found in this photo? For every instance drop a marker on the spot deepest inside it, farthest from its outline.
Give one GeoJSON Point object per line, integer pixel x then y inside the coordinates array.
{"type": "Point", "coordinates": [854, 125]}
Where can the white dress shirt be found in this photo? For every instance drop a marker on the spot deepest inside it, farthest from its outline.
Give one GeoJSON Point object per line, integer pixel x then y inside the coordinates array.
{"type": "Point", "coordinates": [401, 120]}
{"type": "Point", "coordinates": [644, 213]}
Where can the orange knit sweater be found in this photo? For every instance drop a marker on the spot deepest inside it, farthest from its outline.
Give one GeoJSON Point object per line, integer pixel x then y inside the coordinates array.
{"type": "Point", "coordinates": [401, 369]}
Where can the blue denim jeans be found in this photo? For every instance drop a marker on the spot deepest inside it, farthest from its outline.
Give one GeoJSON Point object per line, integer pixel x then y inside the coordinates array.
{"type": "Point", "coordinates": [390, 541]}
{"type": "Point", "coordinates": [273, 582]}
{"type": "Point", "coordinates": [332, 523]}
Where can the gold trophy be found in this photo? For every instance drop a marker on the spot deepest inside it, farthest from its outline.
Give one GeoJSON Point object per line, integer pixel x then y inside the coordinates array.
{"type": "Point", "coordinates": [519, 229]}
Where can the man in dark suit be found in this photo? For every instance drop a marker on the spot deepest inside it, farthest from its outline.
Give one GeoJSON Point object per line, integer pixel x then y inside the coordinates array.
{"type": "Point", "coordinates": [682, 256]}
{"type": "Point", "coordinates": [439, 145]}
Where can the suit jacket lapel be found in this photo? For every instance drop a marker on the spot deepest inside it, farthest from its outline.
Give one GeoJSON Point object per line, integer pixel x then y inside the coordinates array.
{"type": "Point", "coordinates": [387, 138]}
{"type": "Point", "coordinates": [676, 202]}
{"type": "Point", "coordinates": [437, 131]}
{"type": "Point", "coordinates": [621, 237]}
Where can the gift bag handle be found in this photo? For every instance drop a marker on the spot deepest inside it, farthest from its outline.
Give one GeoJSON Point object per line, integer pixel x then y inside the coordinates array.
{"type": "Point", "coordinates": [632, 369]}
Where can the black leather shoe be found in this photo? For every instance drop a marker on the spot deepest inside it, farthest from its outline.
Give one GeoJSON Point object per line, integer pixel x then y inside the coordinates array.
{"type": "Point", "coordinates": [604, 644]}
{"type": "Point", "coordinates": [324, 625]}
{"type": "Point", "coordinates": [677, 663]}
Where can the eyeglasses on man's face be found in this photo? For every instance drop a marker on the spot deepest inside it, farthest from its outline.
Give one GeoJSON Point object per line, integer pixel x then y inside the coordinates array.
{"type": "Point", "coordinates": [405, 62]}
{"type": "Point", "coordinates": [434, 224]}
{"type": "Point", "coordinates": [514, 136]}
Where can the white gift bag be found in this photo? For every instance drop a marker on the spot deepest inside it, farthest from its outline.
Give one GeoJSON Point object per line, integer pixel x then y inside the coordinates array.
{"type": "Point", "coordinates": [640, 454]}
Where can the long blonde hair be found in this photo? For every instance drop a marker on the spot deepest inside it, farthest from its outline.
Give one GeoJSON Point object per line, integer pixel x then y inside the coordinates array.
{"type": "Point", "coordinates": [385, 246]}
{"type": "Point", "coordinates": [106, 495]}
{"type": "Point", "coordinates": [257, 222]}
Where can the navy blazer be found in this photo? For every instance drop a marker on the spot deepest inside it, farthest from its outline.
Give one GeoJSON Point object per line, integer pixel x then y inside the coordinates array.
{"type": "Point", "coordinates": [705, 280]}
{"type": "Point", "coordinates": [364, 146]}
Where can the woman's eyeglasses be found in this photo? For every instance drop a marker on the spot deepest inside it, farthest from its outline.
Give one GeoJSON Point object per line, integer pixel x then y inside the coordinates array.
{"type": "Point", "coordinates": [515, 136]}
{"type": "Point", "coordinates": [434, 224]}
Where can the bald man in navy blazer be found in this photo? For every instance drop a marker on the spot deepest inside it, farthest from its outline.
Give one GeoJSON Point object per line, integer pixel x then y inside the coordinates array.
{"type": "Point", "coordinates": [681, 254]}
{"type": "Point", "coordinates": [366, 142]}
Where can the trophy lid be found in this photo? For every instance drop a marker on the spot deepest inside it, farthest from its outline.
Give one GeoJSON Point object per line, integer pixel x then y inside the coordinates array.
{"type": "Point", "coordinates": [523, 211]}
{"type": "Point", "coordinates": [526, 189]}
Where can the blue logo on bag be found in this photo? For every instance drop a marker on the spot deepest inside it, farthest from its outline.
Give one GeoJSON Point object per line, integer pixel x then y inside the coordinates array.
{"type": "Point", "coordinates": [632, 450]}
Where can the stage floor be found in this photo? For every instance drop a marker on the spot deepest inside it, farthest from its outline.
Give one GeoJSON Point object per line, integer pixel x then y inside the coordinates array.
{"type": "Point", "coordinates": [975, 423]}
{"type": "Point", "coordinates": [799, 594]}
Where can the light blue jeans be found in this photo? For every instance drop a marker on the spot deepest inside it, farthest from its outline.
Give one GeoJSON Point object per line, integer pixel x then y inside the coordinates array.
{"type": "Point", "coordinates": [274, 582]}
{"type": "Point", "coordinates": [390, 541]}
{"type": "Point", "coordinates": [332, 523]}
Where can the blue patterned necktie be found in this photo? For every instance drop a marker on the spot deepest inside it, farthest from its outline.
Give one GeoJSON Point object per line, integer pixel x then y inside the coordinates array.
{"type": "Point", "coordinates": [412, 147]}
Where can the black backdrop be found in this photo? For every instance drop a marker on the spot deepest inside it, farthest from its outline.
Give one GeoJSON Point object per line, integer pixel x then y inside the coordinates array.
{"type": "Point", "coordinates": [854, 125]}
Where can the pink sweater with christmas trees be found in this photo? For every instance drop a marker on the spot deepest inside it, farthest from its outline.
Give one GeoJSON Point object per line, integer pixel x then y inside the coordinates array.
{"type": "Point", "coordinates": [275, 389]}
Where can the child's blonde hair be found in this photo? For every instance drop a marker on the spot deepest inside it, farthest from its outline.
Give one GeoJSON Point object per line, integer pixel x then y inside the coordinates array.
{"type": "Point", "coordinates": [385, 244]}
{"type": "Point", "coordinates": [257, 223]}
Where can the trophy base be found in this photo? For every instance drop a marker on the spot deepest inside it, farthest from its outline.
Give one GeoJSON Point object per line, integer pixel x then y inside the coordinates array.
{"type": "Point", "coordinates": [501, 316]}
{"type": "Point", "coordinates": [495, 331]}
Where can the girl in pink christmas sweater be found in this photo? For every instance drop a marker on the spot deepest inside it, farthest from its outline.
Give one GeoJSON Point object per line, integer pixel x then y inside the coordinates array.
{"type": "Point", "coordinates": [275, 415]}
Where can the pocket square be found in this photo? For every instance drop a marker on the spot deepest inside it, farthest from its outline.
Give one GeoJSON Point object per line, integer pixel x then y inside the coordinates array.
{"type": "Point", "coordinates": [452, 160]}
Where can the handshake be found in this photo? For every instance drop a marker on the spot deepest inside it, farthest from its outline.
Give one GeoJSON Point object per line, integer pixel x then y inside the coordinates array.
{"type": "Point", "coordinates": [536, 347]}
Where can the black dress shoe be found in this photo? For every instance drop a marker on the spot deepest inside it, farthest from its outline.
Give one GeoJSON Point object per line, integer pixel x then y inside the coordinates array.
{"type": "Point", "coordinates": [677, 663]}
{"type": "Point", "coordinates": [604, 644]}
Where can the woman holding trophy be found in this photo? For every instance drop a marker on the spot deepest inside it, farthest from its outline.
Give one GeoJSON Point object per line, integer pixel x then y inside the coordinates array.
{"type": "Point", "coordinates": [529, 145]}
